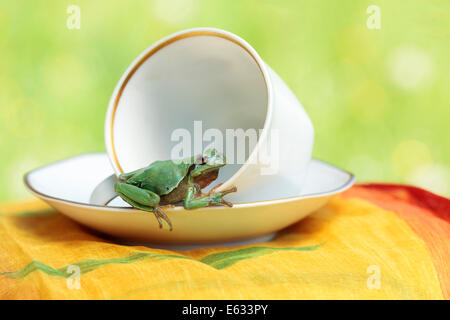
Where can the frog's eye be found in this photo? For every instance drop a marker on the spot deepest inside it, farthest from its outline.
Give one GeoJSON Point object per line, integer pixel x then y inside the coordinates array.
{"type": "Point", "coordinates": [202, 159]}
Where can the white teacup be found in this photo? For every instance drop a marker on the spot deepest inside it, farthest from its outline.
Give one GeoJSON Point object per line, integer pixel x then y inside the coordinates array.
{"type": "Point", "coordinates": [214, 77]}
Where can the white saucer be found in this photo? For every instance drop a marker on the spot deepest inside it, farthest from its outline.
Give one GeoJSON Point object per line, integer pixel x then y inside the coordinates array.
{"type": "Point", "coordinates": [67, 186]}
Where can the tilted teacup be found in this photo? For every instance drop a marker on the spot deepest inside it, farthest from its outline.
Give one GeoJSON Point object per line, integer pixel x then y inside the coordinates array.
{"type": "Point", "coordinates": [206, 87]}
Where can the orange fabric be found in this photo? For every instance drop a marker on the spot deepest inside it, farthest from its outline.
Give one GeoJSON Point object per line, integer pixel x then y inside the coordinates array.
{"type": "Point", "coordinates": [371, 242]}
{"type": "Point", "coordinates": [426, 213]}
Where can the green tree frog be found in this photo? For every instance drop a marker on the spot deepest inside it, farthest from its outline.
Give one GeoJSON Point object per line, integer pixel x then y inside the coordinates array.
{"type": "Point", "coordinates": [171, 182]}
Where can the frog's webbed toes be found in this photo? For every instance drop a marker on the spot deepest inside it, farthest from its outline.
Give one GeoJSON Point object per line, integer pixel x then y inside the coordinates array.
{"type": "Point", "coordinates": [158, 219]}
{"type": "Point", "coordinates": [221, 203]}
{"type": "Point", "coordinates": [160, 214]}
{"type": "Point", "coordinates": [230, 190]}
{"type": "Point", "coordinates": [218, 200]}
{"type": "Point", "coordinates": [227, 203]}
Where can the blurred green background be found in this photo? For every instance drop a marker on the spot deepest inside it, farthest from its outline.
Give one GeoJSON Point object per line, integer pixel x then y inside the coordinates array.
{"type": "Point", "coordinates": [379, 99]}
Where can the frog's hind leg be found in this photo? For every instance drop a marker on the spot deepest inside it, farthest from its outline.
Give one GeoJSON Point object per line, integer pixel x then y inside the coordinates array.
{"type": "Point", "coordinates": [155, 210]}
{"type": "Point", "coordinates": [127, 175]}
{"type": "Point", "coordinates": [142, 199]}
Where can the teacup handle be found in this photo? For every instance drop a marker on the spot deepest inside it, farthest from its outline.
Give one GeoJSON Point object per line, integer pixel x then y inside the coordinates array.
{"type": "Point", "coordinates": [104, 192]}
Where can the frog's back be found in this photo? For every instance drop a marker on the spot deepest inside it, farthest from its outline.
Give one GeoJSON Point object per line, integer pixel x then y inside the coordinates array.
{"type": "Point", "coordinates": [161, 177]}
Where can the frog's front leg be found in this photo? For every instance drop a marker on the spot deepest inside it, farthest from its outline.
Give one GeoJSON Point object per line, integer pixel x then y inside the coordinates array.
{"type": "Point", "coordinates": [194, 201]}
{"type": "Point", "coordinates": [142, 199]}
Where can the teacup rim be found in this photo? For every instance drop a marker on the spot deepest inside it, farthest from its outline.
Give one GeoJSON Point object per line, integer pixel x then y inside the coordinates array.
{"type": "Point", "coordinates": [160, 44]}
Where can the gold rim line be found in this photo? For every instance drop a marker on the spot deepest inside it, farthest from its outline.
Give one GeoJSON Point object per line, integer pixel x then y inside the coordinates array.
{"type": "Point", "coordinates": [151, 53]}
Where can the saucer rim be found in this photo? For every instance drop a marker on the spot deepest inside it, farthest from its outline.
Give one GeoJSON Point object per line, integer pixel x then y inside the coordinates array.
{"type": "Point", "coordinates": [350, 181]}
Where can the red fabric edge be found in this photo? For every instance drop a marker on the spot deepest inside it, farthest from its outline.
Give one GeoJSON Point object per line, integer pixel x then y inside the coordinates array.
{"type": "Point", "coordinates": [426, 213]}
{"type": "Point", "coordinates": [438, 205]}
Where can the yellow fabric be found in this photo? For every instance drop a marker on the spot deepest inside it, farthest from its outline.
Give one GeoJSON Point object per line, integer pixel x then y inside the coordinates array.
{"type": "Point", "coordinates": [354, 238]}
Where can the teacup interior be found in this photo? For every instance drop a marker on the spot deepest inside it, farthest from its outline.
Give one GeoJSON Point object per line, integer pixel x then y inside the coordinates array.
{"type": "Point", "coordinates": [203, 78]}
